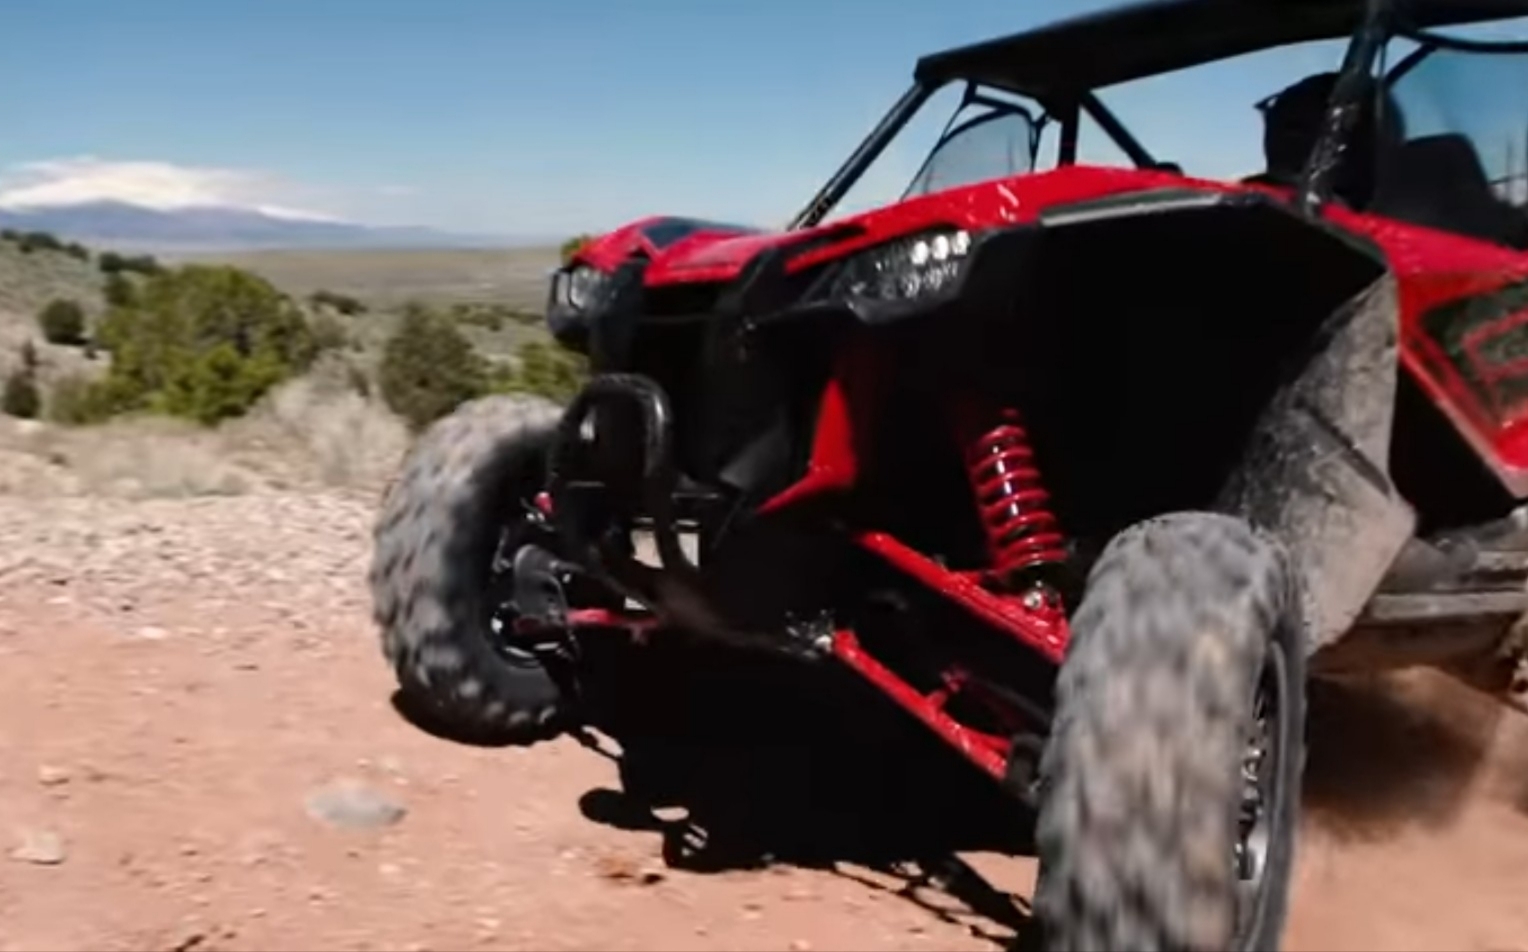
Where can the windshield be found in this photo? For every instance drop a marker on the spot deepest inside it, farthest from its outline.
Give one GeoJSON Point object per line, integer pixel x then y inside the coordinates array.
{"type": "Point", "coordinates": [1461, 159]}
{"type": "Point", "coordinates": [984, 141]}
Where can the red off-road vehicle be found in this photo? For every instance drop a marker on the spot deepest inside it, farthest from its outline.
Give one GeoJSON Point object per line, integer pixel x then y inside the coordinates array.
{"type": "Point", "coordinates": [1085, 466]}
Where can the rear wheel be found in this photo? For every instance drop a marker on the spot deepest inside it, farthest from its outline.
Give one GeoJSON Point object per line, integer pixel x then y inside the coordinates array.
{"type": "Point", "coordinates": [1170, 781]}
{"type": "Point", "coordinates": [448, 527]}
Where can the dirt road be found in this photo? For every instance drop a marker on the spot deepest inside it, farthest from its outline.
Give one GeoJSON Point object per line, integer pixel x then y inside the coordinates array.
{"type": "Point", "coordinates": [197, 751]}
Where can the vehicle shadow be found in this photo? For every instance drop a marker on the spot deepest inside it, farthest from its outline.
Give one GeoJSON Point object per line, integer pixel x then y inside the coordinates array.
{"type": "Point", "coordinates": [743, 763]}
{"type": "Point", "coordinates": [1391, 751]}
{"type": "Point", "coordinates": [747, 762]}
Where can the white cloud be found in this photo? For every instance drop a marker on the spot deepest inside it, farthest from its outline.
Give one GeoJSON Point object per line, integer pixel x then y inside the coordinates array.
{"type": "Point", "coordinates": [159, 185]}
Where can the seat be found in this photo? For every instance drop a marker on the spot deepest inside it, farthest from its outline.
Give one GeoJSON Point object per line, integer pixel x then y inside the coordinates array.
{"type": "Point", "coordinates": [1438, 182]}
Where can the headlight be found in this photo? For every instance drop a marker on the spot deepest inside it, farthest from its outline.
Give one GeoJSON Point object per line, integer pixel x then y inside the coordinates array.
{"type": "Point", "coordinates": [906, 268]}
{"type": "Point", "coordinates": [580, 287]}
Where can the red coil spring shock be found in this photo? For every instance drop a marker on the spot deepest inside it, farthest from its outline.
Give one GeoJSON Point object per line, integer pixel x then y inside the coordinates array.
{"type": "Point", "coordinates": [1023, 536]}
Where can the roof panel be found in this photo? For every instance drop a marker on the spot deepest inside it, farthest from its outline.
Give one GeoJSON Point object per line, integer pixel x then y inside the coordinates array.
{"type": "Point", "coordinates": [1147, 37]}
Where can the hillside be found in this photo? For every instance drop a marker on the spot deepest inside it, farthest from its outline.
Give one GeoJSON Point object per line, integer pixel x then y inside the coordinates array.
{"type": "Point", "coordinates": [327, 428]}
{"type": "Point", "coordinates": [28, 281]}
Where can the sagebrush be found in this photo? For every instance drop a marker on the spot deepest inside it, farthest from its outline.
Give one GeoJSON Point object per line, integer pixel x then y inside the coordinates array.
{"type": "Point", "coordinates": [429, 367]}
{"type": "Point", "coordinates": [201, 341]}
{"type": "Point", "coordinates": [62, 322]}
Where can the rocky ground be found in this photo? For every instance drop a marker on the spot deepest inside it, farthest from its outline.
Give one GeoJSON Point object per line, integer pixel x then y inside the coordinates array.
{"type": "Point", "coordinates": [198, 751]}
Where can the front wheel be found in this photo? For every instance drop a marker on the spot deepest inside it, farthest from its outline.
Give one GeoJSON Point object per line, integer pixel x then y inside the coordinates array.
{"type": "Point", "coordinates": [463, 499]}
{"type": "Point", "coordinates": [1170, 783]}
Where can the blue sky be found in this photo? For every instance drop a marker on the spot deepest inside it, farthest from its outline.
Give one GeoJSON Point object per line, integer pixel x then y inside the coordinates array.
{"type": "Point", "coordinates": [515, 116]}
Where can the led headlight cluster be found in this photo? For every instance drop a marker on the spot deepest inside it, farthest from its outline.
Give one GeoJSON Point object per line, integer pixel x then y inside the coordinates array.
{"type": "Point", "coordinates": [907, 268]}
{"type": "Point", "coordinates": [580, 287]}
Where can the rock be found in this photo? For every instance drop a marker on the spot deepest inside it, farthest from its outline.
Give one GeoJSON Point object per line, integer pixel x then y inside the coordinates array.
{"type": "Point", "coordinates": [351, 804]}
{"type": "Point", "coordinates": [40, 848]}
{"type": "Point", "coordinates": [50, 775]}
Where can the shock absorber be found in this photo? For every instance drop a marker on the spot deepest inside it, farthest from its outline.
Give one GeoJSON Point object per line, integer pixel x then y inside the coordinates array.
{"type": "Point", "coordinates": [1024, 539]}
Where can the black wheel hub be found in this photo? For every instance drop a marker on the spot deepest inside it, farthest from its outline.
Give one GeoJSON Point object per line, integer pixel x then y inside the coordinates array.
{"type": "Point", "coordinates": [527, 621]}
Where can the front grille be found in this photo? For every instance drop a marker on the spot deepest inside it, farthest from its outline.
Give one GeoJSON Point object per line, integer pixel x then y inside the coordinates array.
{"type": "Point", "coordinates": [681, 300]}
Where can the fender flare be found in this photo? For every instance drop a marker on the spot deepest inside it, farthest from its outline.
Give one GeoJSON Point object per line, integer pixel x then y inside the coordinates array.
{"type": "Point", "coordinates": [1315, 474]}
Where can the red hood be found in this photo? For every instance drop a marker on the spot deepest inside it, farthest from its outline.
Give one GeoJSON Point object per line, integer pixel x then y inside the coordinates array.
{"type": "Point", "coordinates": [684, 250]}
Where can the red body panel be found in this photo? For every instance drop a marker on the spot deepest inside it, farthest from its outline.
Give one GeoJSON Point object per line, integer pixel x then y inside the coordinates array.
{"type": "Point", "coordinates": [1432, 268]}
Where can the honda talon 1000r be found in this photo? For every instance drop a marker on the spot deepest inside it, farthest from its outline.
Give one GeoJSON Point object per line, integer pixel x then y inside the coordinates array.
{"type": "Point", "coordinates": [1137, 450]}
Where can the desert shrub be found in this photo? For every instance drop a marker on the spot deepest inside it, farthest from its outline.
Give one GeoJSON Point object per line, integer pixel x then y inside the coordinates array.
{"type": "Point", "coordinates": [343, 303]}
{"type": "Point", "coordinates": [570, 247]}
{"type": "Point", "coordinates": [30, 241]}
{"type": "Point", "coordinates": [329, 332]}
{"type": "Point", "coordinates": [203, 342]}
{"type": "Point", "coordinates": [62, 322]}
{"type": "Point", "coordinates": [73, 399]}
{"type": "Point", "coordinates": [546, 369]}
{"type": "Point", "coordinates": [487, 316]}
{"type": "Point", "coordinates": [428, 368]}
{"type": "Point", "coordinates": [76, 250]}
{"type": "Point", "coordinates": [111, 262]}
{"type": "Point", "coordinates": [19, 397]}
{"type": "Point", "coordinates": [119, 290]}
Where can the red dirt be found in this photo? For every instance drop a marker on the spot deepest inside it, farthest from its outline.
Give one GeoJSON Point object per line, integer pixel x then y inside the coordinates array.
{"type": "Point", "coordinates": [176, 678]}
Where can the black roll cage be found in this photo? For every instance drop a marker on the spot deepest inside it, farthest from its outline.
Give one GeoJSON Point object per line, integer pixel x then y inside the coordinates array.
{"type": "Point", "coordinates": [1067, 112]}
{"type": "Point", "coordinates": [1382, 22]}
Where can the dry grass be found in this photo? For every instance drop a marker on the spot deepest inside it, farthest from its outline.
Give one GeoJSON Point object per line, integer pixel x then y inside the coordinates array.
{"type": "Point", "coordinates": [313, 432]}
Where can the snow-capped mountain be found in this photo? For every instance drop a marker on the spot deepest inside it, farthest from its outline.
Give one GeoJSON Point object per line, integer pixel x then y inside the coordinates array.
{"type": "Point", "coordinates": [127, 226]}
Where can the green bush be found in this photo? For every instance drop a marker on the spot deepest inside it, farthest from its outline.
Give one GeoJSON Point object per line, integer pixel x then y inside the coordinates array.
{"type": "Point", "coordinates": [75, 400]}
{"type": "Point", "coordinates": [203, 342]}
{"type": "Point", "coordinates": [62, 322]}
{"type": "Point", "coordinates": [545, 369]}
{"type": "Point", "coordinates": [119, 290]}
{"type": "Point", "coordinates": [112, 263]}
{"type": "Point", "coordinates": [343, 303]}
{"type": "Point", "coordinates": [428, 368]}
{"type": "Point", "coordinates": [20, 398]}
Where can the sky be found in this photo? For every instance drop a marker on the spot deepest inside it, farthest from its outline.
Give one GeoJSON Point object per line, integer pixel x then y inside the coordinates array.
{"type": "Point", "coordinates": [527, 117]}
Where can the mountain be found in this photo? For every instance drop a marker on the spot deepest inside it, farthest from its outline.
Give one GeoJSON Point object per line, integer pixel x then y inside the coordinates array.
{"type": "Point", "coordinates": [210, 228]}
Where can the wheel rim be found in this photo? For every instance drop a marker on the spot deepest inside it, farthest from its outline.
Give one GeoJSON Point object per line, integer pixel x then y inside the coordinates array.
{"type": "Point", "coordinates": [520, 530]}
{"type": "Point", "coordinates": [1261, 813]}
